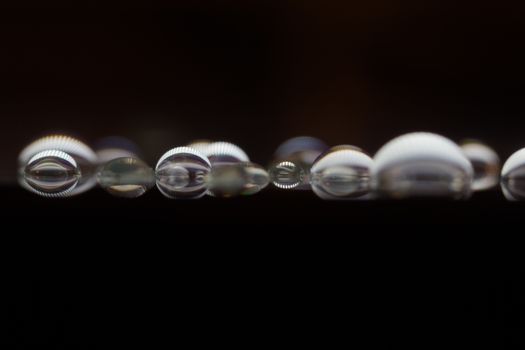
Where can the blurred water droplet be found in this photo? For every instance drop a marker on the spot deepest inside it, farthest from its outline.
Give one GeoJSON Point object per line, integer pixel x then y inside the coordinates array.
{"type": "Point", "coordinates": [286, 175]}
{"type": "Point", "coordinates": [422, 165]}
{"type": "Point", "coordinates": [342, 172]}
{"type": "Point", "coordinates": [114, 147]}
{"type": "Point", "coordinates": [301, 151]}
{"type": "Point", "coordinates": [485, 162]}
{"type": "Point", "coordinates": [513, 176]}
{"type": "Point", "coordinates": [52, 173]}
{"type": "Point", "coordinates": [199, 145]}
{"type": "Point", "coordinates": [225, 152]}
{"type": "Point", "coordinates": [233, 179]}
{"type": "Point", "coordinates": [126, 177]}
{"type": "Point", "coordinates": [181, 173]}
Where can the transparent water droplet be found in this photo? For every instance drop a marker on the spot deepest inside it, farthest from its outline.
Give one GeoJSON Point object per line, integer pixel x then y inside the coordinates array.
{"type": "Point", "coordinates": [181, 173]}
{"type": "Point", "coordinates": [113, 147]}
{"type": "Point", "coordinates": [233, 179]}
{"type": "Point", "coordinates": [126, 177]}
{"type": "Point", "coordinates": [513, 176]}
{"type": "Point", "coordinates": [343, 172]}
{"type": "Point", "coordinates": [422, 165]}
{"type": "Point", "coordinates": [485, 162]}
{"type": "Point", "coordinates": [225, 152]}
{"type": "Point", "coordinates": [51, 173]}
{"type": "Point", "coordinates": [302, 151]}
{"type": "Point", "coordinates": [286, 175]}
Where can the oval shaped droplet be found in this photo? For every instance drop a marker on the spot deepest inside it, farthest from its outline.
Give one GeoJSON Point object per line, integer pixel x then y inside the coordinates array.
{"type": "Point", "coordinates": [52, 173]}
{"type": "Point", "coordinates": [286, 175]}
{"type": "Point", "coordinates": [485, 162]}
{"type": "Point", "coordinates": [234, 179]}
{"type": "Point", "coordinates": [126, 177]}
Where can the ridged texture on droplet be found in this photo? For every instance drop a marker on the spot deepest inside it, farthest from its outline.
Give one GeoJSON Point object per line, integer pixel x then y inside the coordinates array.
{"type": "Point", "coordinates": [73, 147]}
{"type": "Point", "coordinates": [181, 173]}
{"type": "Point", "coordinates": [199, 145]}
{"type": "Point", "coordinates": [234, 179]}
{"type": "Point", "coordinates": [513, 176]}
{"type": "Point", "coordinates": [343, 172]}
{"type": "Point", "coordinates": [485, 162]}
{"type": "Point", "coordinates": [286, 175]}
{"type": "Point", "coordinates": [422, 165]}
{"type": "Point", "coordinates": [51, 173]}
{"type": "Point", "coordinates": [126, 177]}
{"type": "Point", "coordinates": [224, 152]}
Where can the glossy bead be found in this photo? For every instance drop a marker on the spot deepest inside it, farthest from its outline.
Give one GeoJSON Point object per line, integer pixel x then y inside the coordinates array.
{"type": "Point", "coordinates": [126, 177]}
{"type": "Point", "coordinates": [181, 173]}
{"type": "Point", "coordinates": [485, 162]}
{"type": "Point", "coordinates": [422, 165]}
{"type": "Point", "coordinates": [234, 179]}
{"type": "Point", "coordinates": [51, 173]}
{"type": "Point", "coordinates": [513, 176]}
{"type": "Point", "coordinates": [343, 172]}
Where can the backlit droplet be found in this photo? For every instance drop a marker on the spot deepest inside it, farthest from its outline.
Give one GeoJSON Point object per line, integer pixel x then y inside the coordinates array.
{"type": "Point", "coordinates": [422, 165]}
{"type": "Point", "coordinates": [485, 162]}
{"type": "Point", "coordinates": [225, 152]}
{"type": "Point", "coordinates": [126, 177]}
{"type": "Point", "coordinates": [302, 151]}
{"type": "Point", "coordinates": [342, 172]}
{"type": "Point", "coordinates": [51, 173]}
{"type": "Point", "coordinates": [513, 176]}
{"type": "Point", "coordinates": [286, 175]}
{"type": "Point", "coordinates": [199, 145]}
{"type": "Point", "coordinates": [233, 179]}
{"type": "Point", "coordinates": [181, 173]}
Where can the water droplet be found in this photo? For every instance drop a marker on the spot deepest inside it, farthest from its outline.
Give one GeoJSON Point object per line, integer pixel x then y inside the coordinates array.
{"type": "Point", "coordinates": [126, 177]}
{"type": "Point", "coordinates": [422, 165]}
{"type": "Point", "coordinates": [181, 173]}
{"type": "Point", "coordinates": [485, 162]}
{"type": "Point", "coordinates": [225, 152]}
{"type": "Point", "coordinates": [302, 151]}
{"type": "Point", "coordinates": [114, 147]}
{"type": "Point", "coordinates": [199, 145]}
{"type": "Point", "coordinates": [233, 179]}
{"type": "Point", "coordinates": [286, 175]}
{"type": "Point", "coordinates": [51, 173]}
{"type": "Point", "coordinates": [513, 176]}
{"type": "Point", "coordinates": [342, 172]}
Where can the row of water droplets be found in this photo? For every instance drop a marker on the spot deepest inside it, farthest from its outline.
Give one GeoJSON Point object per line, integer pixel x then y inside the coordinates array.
{"type": "Point", "coordinates": [413, 165]}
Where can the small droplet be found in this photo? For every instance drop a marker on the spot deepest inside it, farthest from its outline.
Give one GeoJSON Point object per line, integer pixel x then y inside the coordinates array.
{"type": "Point", "coordinates": [225, 152]}
{"type": "Point", "coordinates": [342, 172]}
{"type": "Point", "coordinates": [513, 176]}
{"type": "Point", "coordinates": [485, 162]}
{"type": "Point", "coordinates": [302, 151]}
{"type": "Point", "coordinates": [422, 165]}
{"type": "Point", "coordinates": [286, 175]}
{"type": "Point", "coordinates": [126, 177]}
{"type": "Point", "coordinates": [233, 179]}
{"type": "Point", "coordinates": [181, 173]}
{"type": "Point", "coordinates": [51, 173]}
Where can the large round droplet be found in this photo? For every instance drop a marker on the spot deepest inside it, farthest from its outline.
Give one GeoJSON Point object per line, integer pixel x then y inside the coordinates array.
{"type": "Point", "coordinates": [181, 173]}
{"type": "Point", "coordinates": [422, 165]}
{"type": "Point", "coordinates": [342, 172]}
{"type": "Point", "coordinates": [126, 177]}
{"type": "Point", "coordinates": [224, 152]}
{"type": "Point", "coordinates": [300, 151]}
{"type": "Point", "coordinates": [485, 162]}
{"type": "Point", "coordinates": [233, 179]}
{"type": "Point", "coordinates": [513, 176]}
{"type": "Point", "coordinates": [286, 175]}
{"type": "Point", "coordinates": [51, 173]}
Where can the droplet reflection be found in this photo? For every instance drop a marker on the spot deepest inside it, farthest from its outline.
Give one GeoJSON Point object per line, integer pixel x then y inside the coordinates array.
{"type": "Point", "coordinates": [126, 177]}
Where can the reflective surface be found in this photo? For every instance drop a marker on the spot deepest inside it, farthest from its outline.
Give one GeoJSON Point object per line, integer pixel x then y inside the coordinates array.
{"type": "Point", "coordinates": [286, 175]}
{"type": "Point", "coordinates": [126, 177]}
{"type": "Point", "coordinates": [181, 173]}
{"type": "Point", "coordinates": [51, 173]}
{"type": "Point", "coordinates": [485, 162]}
{"type": "Point", "coordinates": [224, 152]}
{"type": "Point", "coordinates": [233, 179]}
{"type": "Point", "coordinates": [422, 165]}
{"type": "Point", "coordinates": [513, 176]}
{"type": "Point", "coordinates": [342, 173]}
{"type": "Point", "coordinates": [114, 147]}
{"type": "Point", "coordinates": [300, 151]}
{"type": "Point", "coordinates": [199, 145]}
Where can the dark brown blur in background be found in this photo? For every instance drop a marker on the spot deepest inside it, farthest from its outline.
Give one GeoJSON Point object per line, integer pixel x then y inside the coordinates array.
{"type": "Point", "coordinates": [258, 72]}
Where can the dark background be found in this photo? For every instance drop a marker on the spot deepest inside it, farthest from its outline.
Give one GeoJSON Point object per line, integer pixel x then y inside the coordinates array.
{"type": "Point", "coordinates": [258, 72]}
{"type": "Point", "coordinates": [255, 73]}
